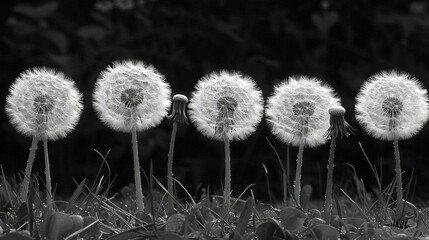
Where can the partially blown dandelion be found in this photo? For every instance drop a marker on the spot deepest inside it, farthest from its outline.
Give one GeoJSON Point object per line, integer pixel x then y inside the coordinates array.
{"type": "Point", "coordinates": [131, 96]}
{"type": "Point", "coordinates": [226, 106]}
{"type": "Point", "coordinates": [46, 105]}
{"type": "Point", "coordinates": [297, 113]}
{"type": "Point", "coordinates": [392, 106]}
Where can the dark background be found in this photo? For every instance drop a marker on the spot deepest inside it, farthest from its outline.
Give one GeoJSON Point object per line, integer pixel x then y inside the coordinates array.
{"type": "Point", "coordinates": [343, 42]}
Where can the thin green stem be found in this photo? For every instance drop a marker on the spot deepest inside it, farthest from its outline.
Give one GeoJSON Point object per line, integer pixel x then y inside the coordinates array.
{"type": "Point", "coordinates": [399, 196]}
{"type": "Point", "coordinates": [227, 189]}
{"type": "Point", "coordinates": [137, 177]}
{"type": "Point", "coordinates": [26, 181]}
{"type": "Point", "coordinates": [49, 198]}
{"type": "Point", "coordinates": [329, 180]}
{"type": "Point", "coordinates": [297, 190]}
{"type": "Point", "coordinates": [170, 205]}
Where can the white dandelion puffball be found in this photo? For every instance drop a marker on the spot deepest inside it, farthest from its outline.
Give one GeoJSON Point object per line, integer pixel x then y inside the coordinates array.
{"type": "Point", "coordinates": [298, 110]}
{"type": "Point", "coordinates": [44, 102]}
{"type": "Point", "coordinates": [391, 105]}
{"type": "Point", "coordinates": [226, 103]}
{"type": "Point", "coordinates": [131, 93]}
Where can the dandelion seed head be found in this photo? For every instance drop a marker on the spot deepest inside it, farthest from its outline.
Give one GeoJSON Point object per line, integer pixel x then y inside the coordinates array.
{"type": "Point", "coordinates": [226, 103]}
{"type": "Point", "coordinates": [297, 112]}
{"type": "Point", "coordinates": [44, 102]}
{"type": "Point", "coordinates": [303, 108]}
{"type": "Point", "coordinates": [131, 93]}
{"type": "Point", "coordinates": [391, 104]}
{"type": "Point", "coordinates": [132, 97]}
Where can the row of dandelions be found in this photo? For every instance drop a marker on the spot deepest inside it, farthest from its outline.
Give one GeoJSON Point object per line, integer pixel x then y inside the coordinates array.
{"type": "Point", "coordinates": [390, 106]}
{"type": "Point", "coordinates": [131, 96]}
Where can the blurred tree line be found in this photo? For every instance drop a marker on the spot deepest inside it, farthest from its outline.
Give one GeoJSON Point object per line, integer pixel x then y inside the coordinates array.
{"type": "Point", "coordinates": [341, 41]}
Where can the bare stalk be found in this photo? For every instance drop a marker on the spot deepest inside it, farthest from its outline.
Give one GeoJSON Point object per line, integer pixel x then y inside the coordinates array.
{"type": "Point", "coordinates": [170, 168]}
{"type": "Point", "coordinates": [329, 181]}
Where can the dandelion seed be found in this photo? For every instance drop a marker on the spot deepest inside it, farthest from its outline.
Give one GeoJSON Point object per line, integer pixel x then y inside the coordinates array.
{"type": "Point", "coordinates": [130, 96]}
{"type": "Point", "coordinates": [46, 105]}
{"type": "Point", "coordinates": [226, 106]}
{"type": "Point", "coordinates": [392, 106]}
{"type": "Point", "coordinates": [297, 113]}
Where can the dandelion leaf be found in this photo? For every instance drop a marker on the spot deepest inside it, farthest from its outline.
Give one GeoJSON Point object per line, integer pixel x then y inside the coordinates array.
{"type": "Point", "coordinates": [292, 218]}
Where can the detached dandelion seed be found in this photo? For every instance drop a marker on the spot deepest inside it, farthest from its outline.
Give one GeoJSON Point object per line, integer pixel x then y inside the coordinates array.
{"type": "Point", "coordinates": [226, 106]}
{"type": "Point", "coordinates": [131, 96]}
{"type": "Point", "coordinates": [46, 105]}
{"type": "Point", "coordinates": [297, 113]}
{"type": "Point", "coordinates": [178, 115]}
{"type": "Point", "coordinates": [392, 106]}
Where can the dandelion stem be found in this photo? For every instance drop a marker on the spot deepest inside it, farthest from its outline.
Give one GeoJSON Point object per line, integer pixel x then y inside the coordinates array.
{"type": "Point", "coordinates": [286, 178]}
{"type": "Point", "coordinates": [137, 178]}
{"type": "Point", "coordinates": [298, 173]}
{"type": "Point", "coordinates": [284, 183]}
{"type": "Point", "coordinates": [227, 189]}
{"type": "Point", "coordinates": [26, 181]}
{"type": "Point", "coordinates": [170, 168]}
{"type": "Point", "coordinates": [329, 180]}
{"type": "Point", "coordinates": [399, 196]}
{"type": "Point", "coordinates": [49, 200]}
